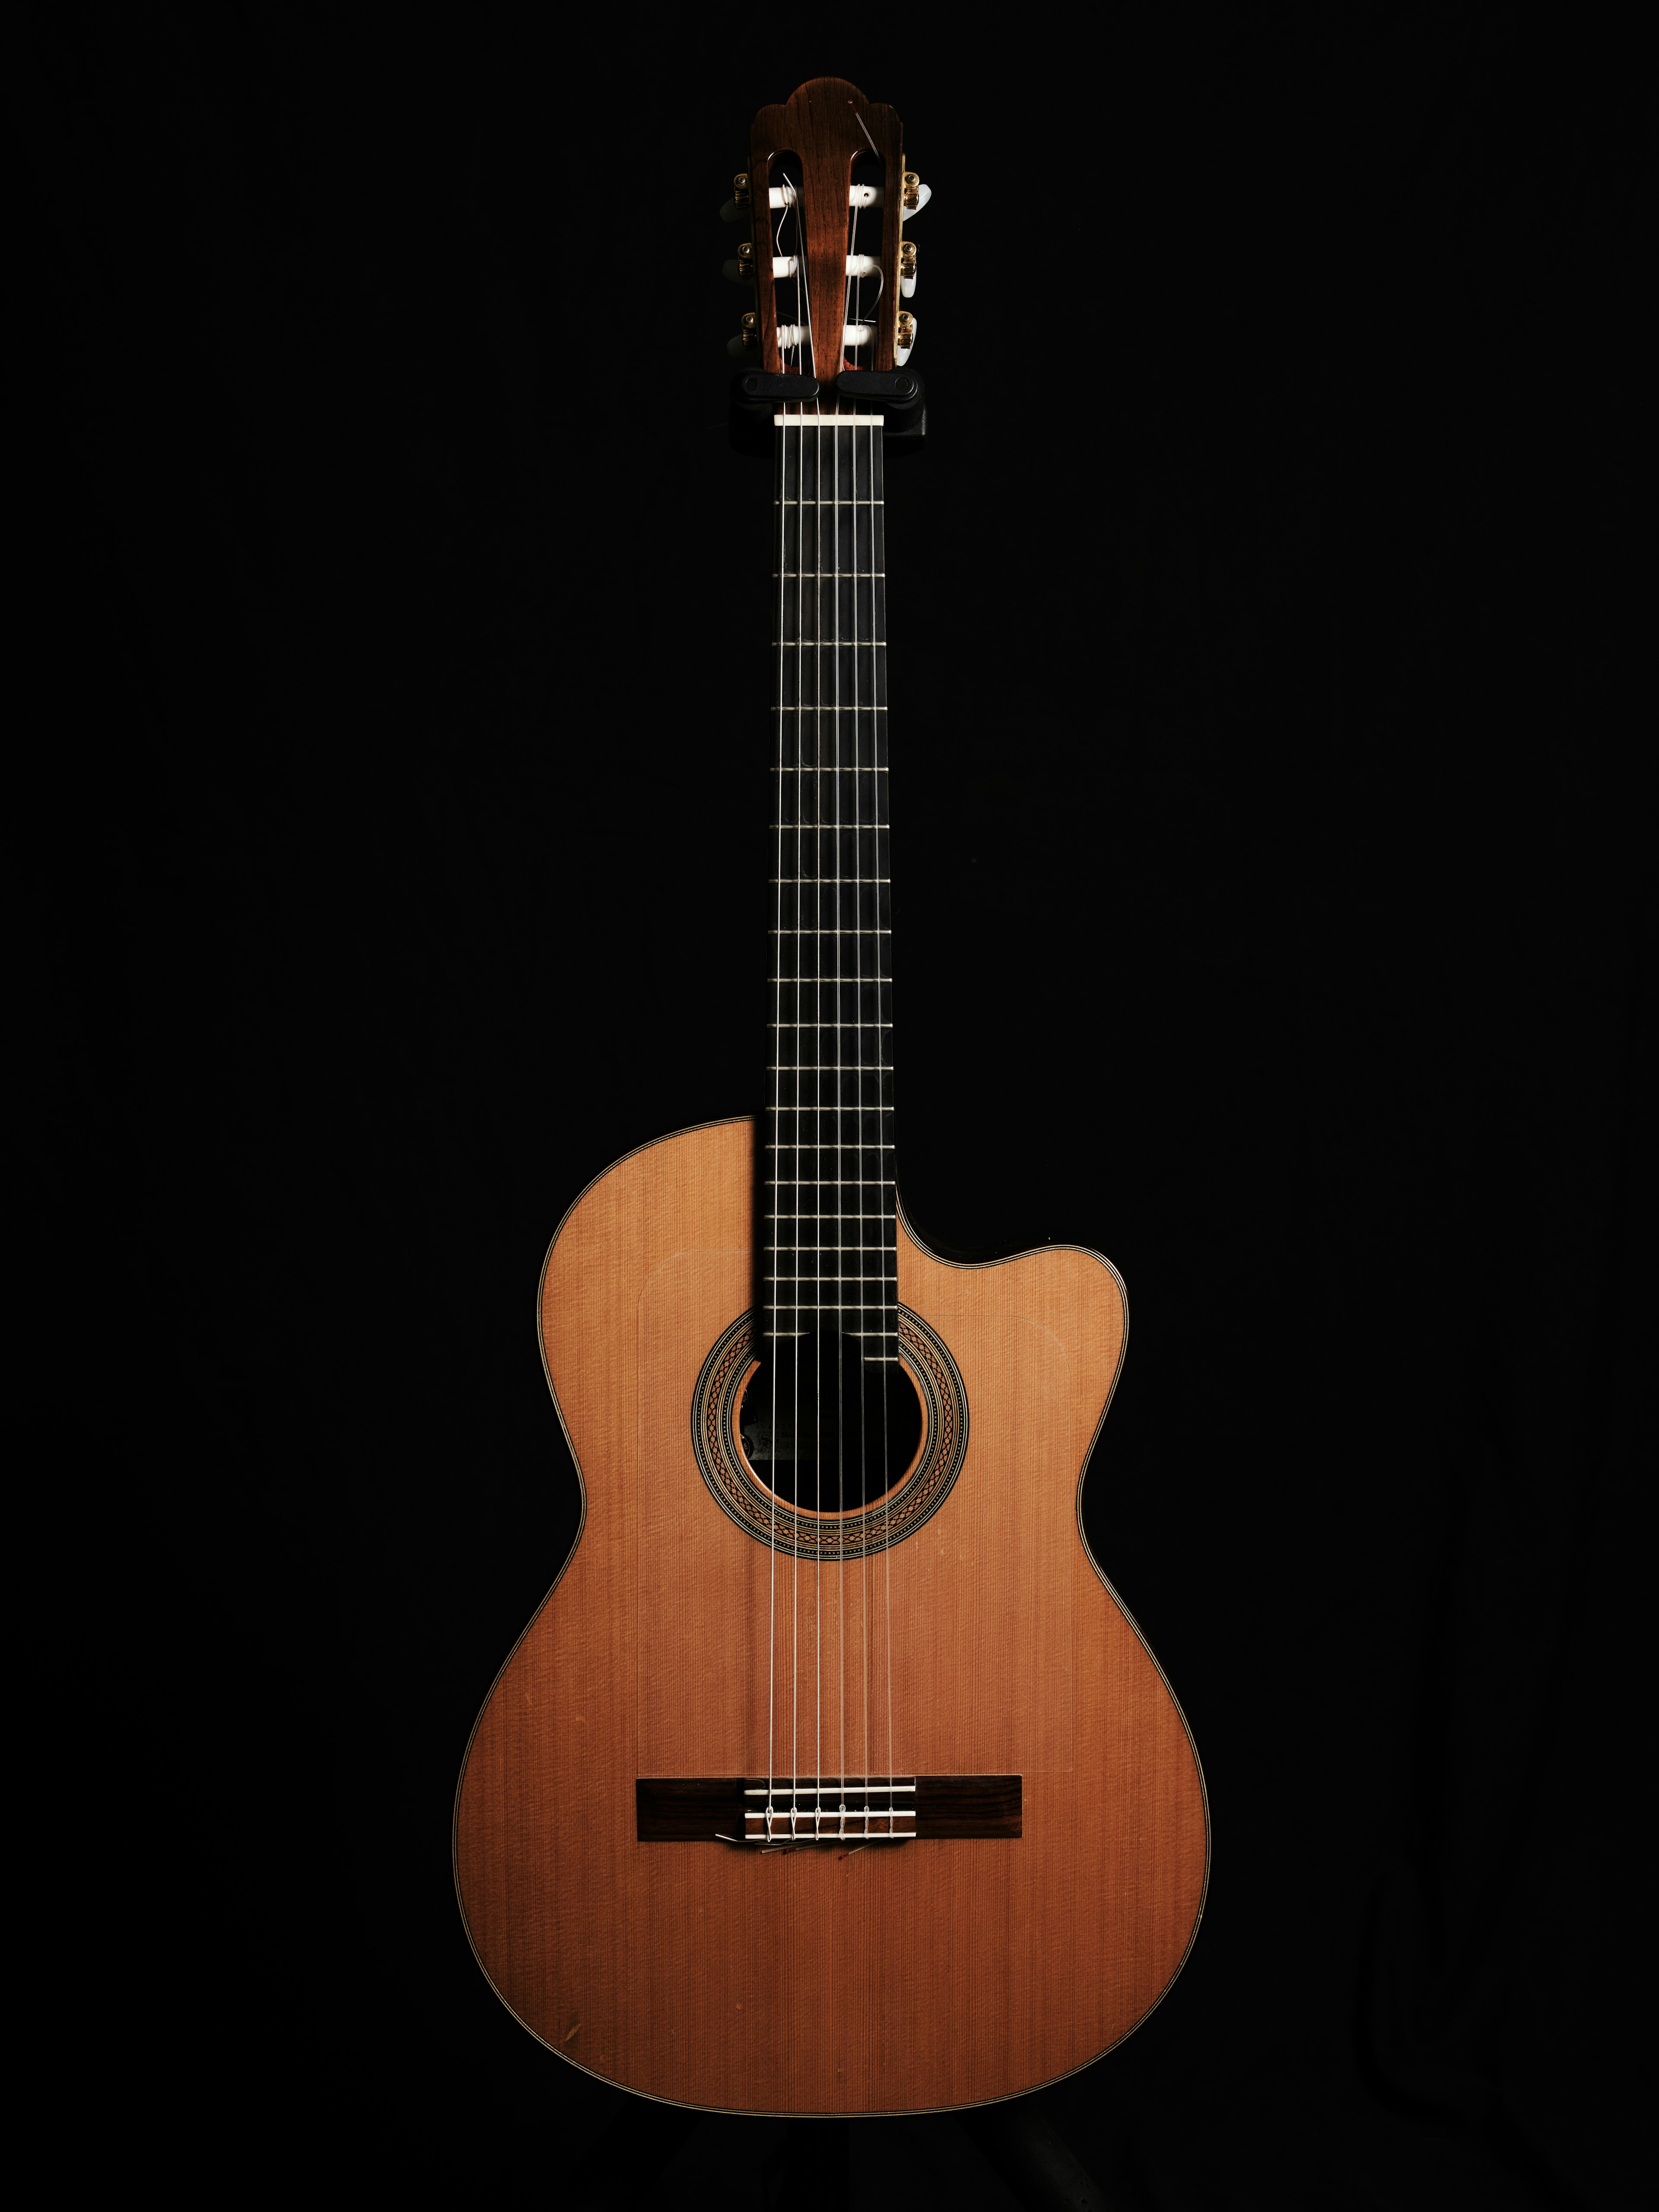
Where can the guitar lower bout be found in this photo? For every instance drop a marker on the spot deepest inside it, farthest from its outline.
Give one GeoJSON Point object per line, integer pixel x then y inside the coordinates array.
{"type": "Point", "coordinates": [1006, 1828]}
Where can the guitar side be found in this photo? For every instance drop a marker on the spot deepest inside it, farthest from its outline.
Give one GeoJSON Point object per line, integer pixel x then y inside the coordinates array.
{"type": "Point", "coordinates": [929, 1975]}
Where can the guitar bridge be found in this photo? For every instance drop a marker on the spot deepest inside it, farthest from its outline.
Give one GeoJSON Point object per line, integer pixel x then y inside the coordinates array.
{"type": "Point", "coordinates": [787, 1812]}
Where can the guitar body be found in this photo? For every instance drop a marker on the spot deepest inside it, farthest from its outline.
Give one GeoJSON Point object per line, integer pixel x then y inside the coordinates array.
{"type": "Point", "coordinates": [893, 1977]}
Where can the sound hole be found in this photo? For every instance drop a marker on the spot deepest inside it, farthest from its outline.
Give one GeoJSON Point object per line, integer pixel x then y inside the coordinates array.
{"type": "Point", "coordinates": [838, 1431]}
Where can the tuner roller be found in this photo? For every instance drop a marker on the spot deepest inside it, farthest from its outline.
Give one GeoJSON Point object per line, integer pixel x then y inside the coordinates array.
{"type": "Point", "coordinates": [853, 335]}
{"type": "Point", "coordinates": [857, 264]}
{"type": "Point", "coordinates": [907, 270]}
{"type": "Point", "coordinates": [906, 336]}
{"type": "Point", "coordinates": [778, 196]}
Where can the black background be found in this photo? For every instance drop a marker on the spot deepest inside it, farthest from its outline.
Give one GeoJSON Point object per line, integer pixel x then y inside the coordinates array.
{"type": "Point", "coordinates": [392, 631]}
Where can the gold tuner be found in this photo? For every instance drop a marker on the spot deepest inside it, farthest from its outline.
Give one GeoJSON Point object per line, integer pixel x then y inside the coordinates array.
{"type": "Point", "coordinates": [737, 208]}
{"type": "Point", "coordinates": [742, 271]}
{"type": "Point", "coordinates": [748, 338]}
{"type": "Point", "coordinates": [908, 269]}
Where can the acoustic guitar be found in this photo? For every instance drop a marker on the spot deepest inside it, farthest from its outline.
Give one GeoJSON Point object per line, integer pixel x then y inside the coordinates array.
{"type": "Point", "coordinates": [832, 1776]}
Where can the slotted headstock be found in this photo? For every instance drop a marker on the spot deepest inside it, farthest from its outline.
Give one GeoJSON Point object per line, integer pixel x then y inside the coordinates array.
{"type": "Point", "coordinates": [827, 190]}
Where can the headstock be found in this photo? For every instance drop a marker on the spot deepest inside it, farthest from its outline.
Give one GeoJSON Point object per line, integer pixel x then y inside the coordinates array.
{"type": "Point", "coordinates": [827, 195]}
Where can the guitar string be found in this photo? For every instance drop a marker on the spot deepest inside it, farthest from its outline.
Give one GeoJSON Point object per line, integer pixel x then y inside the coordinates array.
{"type": "Point", "coordinates": [858, 1110]}
{"type": "Point", "coordinates": [777, 246]}
{"type": "Point", "coordinates": [841, 1181]}
{"type": "Point", "coordinates": [878, 628]}
{"type": "Point", "coordinates": [876, 580]}
{"type": "Point", "coordinates": [817, 1091]}
{"type": "Point", "coordinates": [857, 298]}
{"type": "Point", "coordinates": [799, 1001]}
{"type": "Point", "coordinates": [782, 480]}
{"type": "Point", "coordinates": [804, 295]}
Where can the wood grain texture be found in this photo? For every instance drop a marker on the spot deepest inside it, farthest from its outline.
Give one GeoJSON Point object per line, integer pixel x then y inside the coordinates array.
{"type": "Point", "coordinates": [818, 125]}
{"type": "Point", "coordinates": [935, 1974]}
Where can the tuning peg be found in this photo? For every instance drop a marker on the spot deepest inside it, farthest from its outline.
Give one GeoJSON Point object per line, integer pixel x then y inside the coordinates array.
{"type": "Point", "coordinates": [916, 196]}
{"type": "Point", "coordinates": [908, 269]}
{"type": "Point", "coordinates": [742, 271]}
{"type": "Point", "coordinates": [736, 209]}
{"type": "Point", "coordinates": [748, 338]}
{"type": "Point", "coordinates": [906, 336]}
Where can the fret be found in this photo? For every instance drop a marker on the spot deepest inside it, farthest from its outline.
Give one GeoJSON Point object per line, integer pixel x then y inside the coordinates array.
{"type": "Point", "coordinates": [848, 1111]}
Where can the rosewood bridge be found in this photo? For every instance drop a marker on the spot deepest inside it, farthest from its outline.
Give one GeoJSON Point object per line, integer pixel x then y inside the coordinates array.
{"type": "Point", "coordinates": [909, 1809]}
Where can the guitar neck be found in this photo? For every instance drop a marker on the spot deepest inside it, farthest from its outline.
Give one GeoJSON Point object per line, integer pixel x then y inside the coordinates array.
{"type": "Point", "coordinates": [830, 1249]}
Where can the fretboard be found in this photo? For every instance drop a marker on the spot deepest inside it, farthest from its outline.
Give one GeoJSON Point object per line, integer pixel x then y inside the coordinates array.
{"type": "Point", "coordinates": [829, 1253]}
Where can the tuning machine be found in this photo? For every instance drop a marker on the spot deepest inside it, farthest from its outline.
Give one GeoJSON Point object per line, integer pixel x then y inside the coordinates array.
{"type": "Point", "coordinates": [747, 342]}
{"type": "Point", "coordinates": [904, 336]}
{"type": "Point", "coordinates": [737, 208]}
{"type": "Point", "coordinates": [742, 269]}
{"type": "Point", "coordinates": [908, 269]}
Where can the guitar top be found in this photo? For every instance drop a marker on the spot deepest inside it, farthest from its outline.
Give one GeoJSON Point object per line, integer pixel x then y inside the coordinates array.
{"type": "Point", "coordinates": [831, 1776]}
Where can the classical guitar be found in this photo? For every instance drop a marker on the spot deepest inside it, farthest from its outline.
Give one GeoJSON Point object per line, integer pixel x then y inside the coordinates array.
{"type": "Point", "coordinates": [831, 1776]}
